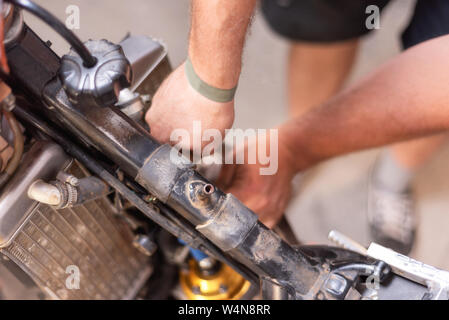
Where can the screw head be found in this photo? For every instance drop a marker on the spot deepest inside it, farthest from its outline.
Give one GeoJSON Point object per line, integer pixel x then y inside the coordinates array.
{"type": "Point", "coordinates": [144, 244]}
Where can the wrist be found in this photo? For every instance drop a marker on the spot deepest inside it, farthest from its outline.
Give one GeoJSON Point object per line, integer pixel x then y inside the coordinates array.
{"type": "Point", "coordinates": [286, 160]}
{"type": "Point", "coordinates": [221, 72]}
{"type": "Point", "coordinates": [294, 156]}
{"type": "Point", "coordinates": [205, 89]}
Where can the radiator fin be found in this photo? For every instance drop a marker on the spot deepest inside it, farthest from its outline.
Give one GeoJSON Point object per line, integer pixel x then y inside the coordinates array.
{"type": "Point", "coordinates": [90, 237]}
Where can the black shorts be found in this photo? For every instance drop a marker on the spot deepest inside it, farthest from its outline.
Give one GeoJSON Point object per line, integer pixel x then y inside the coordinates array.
{"type": "Point", "coordinates": [338, 20]}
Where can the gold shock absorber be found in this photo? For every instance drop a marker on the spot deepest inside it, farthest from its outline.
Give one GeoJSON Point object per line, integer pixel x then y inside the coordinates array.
{"type": "Point", "coordinates": [220, 282]}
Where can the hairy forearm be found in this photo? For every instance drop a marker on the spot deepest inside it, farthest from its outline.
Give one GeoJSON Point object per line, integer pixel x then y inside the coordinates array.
{"type": "Point", "coordinates": [217, 38]}
{"type": "Point", "coordinates": [406, 98]}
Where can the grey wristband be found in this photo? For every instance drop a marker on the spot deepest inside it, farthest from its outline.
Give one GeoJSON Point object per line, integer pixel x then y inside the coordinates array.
{"type": "Point", "coordinates": [206, 90]}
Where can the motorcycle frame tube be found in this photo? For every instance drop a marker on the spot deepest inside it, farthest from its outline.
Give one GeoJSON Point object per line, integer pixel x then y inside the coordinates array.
{"type": "Point", "coordinates": [174, 226]}
{"type": "Point", "coordinates": [224, 220]}
{"type": "Point", "coordinates": [234, 228]}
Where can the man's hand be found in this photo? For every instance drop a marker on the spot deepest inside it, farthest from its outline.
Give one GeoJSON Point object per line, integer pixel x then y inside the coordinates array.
{"type": "Point", "coordinates": [217, 37]}
{"type": "Point", "coordinates": [177, 105]}
{"type": "Point", "coordinates": [266, 195]}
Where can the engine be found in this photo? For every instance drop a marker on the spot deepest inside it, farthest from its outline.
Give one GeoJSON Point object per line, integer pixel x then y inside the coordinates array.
{"type": "Point", "coordinates": [64, 233]}
{"type": "Point", "coordinates": [49, 243]}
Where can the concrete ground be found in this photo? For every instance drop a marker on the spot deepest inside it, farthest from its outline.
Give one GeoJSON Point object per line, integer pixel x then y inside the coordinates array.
{"type": "Point", "coordinates": [334, 194]}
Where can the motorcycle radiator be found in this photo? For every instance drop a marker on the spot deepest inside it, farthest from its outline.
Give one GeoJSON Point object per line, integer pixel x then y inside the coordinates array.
{"type": "Point", "coordinates": [54, 245]}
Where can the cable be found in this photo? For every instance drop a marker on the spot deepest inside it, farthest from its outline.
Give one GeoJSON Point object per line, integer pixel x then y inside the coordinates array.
{"type": "Point", "coordinates": [59, 27]}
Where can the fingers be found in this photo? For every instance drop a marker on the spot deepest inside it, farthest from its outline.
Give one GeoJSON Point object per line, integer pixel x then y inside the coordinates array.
{"type": "Point", "coordinates": [226, 176]}
{"type": "Point", "coordinates": [270, 221]}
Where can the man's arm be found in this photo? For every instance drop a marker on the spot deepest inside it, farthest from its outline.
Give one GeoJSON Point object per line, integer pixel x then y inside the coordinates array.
{"type": "Point", "coordinates": [406, 98]}
{"type": "Point", "coordinates": [217, 38]}
{"type": "Point", "coordinates": [216, 44]}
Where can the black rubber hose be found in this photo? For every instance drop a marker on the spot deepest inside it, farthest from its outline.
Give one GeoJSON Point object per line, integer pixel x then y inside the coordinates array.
{"type": "Point", "coordinates": [59, 27]}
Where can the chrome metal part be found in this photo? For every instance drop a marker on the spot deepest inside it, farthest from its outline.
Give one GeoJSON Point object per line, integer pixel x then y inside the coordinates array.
{"type": "Point", "coordinates": [435, 279]}
{"type": "Point", "coordinates": [144, 244]}
{"type": "Point", "coordinates": [13, 25]}
{"type": "Point", "coordinates": [131, 104]}
{"type": "Point", "coordinates": [70, 179]}
{"type": "Point", "coordinates": [99, 85]}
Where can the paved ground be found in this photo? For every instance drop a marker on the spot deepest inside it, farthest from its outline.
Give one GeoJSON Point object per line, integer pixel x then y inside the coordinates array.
{"type": "Point", "coordinates": [261, 104]}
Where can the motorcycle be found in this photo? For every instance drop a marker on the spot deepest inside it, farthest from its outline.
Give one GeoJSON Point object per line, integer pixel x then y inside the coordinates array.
{"type": "Point", "coordinates": [93, 207]}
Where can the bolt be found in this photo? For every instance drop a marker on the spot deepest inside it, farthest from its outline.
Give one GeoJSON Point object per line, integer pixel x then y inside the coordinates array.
{"type": "Point", "coordinates": [144, 244]}
{"type": "Point", "coordinates": [207, 263]}
{"type": "Point", "coordinates": [73, 181]}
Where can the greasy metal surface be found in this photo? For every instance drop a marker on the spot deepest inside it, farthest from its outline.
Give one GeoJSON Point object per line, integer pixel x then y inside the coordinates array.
{"type": "Point", "coordinates": [230, 224]}
{"type": "Point", "coordinates": [226, 222]}
{"type": "Point", "coordinates": [274, 258]}
{"type": "Point", "coordinates": [107, 129]}
{"type": "Point", "coordinates": [89, 237]}
{"type": "Point", "coordinates": [189, 198]}
{"type": "Point", "coordinates": [43, 161]}
{"type": "Point", "coordinates": [160, 172]}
